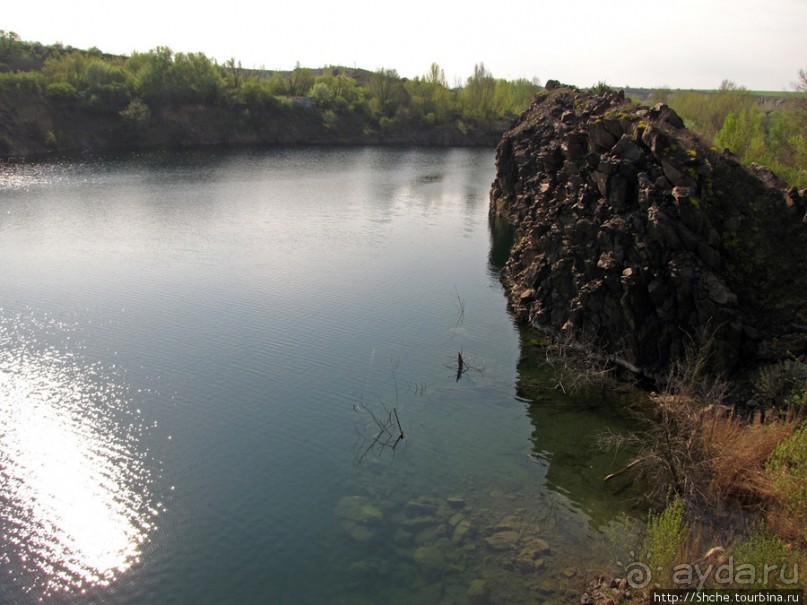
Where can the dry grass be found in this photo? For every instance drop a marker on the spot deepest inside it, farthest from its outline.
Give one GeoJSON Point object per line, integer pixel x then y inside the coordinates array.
{"type": "Point", "coordinates": [737, 452]}
{"type": "Point", "coordinates": [704, 452]}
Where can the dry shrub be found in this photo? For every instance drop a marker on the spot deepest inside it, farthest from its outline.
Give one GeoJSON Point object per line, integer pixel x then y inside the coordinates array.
{"type": "Point", "coordinates": [697, 446]}
{"type": "Point", "coordinates": [737, 452]}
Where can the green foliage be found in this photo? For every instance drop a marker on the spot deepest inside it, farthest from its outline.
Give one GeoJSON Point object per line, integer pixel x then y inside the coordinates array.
{"type": "Point", "coordinates": [479, 94]}
{"type": "Point", "coordinates": [70, 68]}
{"type": "Point", "coordinates": [300, 81]}
{"type": "Point", "coordinates": [159, 76]}
{"type": "Point", "coordinates": [742, 132]}
{"type": "Point", "coordinates": [24, 82]}
{"type": "Point", "coordinates": [601, 88]}
{"type": "Point", "coordinates": [767, 560]}
{"type": "Point", "coordinates": [61, 91]}
{"type": "Point", "coordinates": [255, 92]}
{"type": "Point", "coordinates": [385, 92]}
{"type": "Point", "coordinates": [732, 118]}
{"type": "Point", "coordinates": [660, 95]}
{"type": "Point", "coordinates": [787, 466]}
{"type": "Point", "coordinates": [352, 101]}
{"type": "Point", "coordinates": [783, 386]}
{"type": "Point", "coordinates": [666, 535]}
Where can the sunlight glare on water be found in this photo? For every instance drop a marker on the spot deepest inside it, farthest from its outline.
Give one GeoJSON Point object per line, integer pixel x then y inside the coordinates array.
{"type": "Point", "coordinates": [73, 486]}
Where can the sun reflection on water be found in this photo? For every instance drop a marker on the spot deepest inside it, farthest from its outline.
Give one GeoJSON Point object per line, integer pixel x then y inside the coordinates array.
{"type": "Point", "coordinates": [75, 504]}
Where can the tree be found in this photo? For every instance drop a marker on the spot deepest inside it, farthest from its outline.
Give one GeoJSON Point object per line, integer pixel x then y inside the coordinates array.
{"type": "Point", "coordinates": [436, 75]}
{"type": "Point", "coordinates": [9, 41]}
{"type": "Point", "coordinates": [70, 68]}
{"type": "Point", "coordinates": [151, 71]}
{"type": "Point", "coordinates": [385, 88]}
{"type": "Point", "coordinates": [478, 94]}
{"type": "Point", "coordinates": [300, 81]}
{"type": "Point", "coordinates": [235, 73]}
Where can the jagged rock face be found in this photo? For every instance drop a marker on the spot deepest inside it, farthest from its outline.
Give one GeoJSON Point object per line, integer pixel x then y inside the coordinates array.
{"type": "Point", "coordinates": [634, 238]}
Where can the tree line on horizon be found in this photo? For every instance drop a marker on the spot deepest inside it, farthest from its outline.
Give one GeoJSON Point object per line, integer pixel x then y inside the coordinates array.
{"type": "Point", "coordinates": [135, 85]}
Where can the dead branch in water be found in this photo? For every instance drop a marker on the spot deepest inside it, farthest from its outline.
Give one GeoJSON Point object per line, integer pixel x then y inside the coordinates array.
{"type": "Point", "coordinates": [462, 366]}
{"type": "Point", "coordinates": [388, 432]}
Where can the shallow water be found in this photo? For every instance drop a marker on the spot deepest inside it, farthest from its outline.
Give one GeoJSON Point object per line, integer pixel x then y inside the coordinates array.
{"type": "Point", "coordinates": [207, 361]}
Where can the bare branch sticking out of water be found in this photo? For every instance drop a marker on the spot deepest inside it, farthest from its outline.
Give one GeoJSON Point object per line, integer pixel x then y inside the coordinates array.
{"type": "Point", "coordinates": [385, 430]}
{"type": "Point", "coordinates": [463, 366]}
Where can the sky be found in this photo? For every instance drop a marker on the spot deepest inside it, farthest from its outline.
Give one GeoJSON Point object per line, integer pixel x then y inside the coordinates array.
{"type": "Point", "coordinates": [758, 44]}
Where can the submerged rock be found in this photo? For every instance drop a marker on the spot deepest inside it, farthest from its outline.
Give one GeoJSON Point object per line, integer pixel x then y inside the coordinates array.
{"type": "Point", "coordinates": [360, 518]}
{"type": "Point", "coordinates": [479, 592]}
{"type": "Point", "coordinates": [456, 502]}
{"type": "Point", "coordinates": [431, 558]}
{"type": "Point", "coordinates": [461, 530]}
{"type": "Point", "coordinates": [359, 510]}
{"type": "Point", "coordinates": [503, 540]}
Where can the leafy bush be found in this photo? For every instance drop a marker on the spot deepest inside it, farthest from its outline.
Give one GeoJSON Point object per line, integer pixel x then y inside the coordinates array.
{"type": "Point", "coordinates": [21, 82]}
{"type": "Point", "coordinates": [787, 466]}
{"type": "Point", "coordinates": [601, 87]}
{"type": "Point", "coordinates": [667, 533]}
{"type": "Point", "coordinates": [765, 559]}
{"type": "Point", "coordinates": [61, 91]}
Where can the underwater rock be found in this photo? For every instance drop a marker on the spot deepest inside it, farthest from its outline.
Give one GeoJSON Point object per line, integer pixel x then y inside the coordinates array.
{"type": "Point", "coordinates": [461, 530]}
{"type": "Point", "coordinates": [430, 558]}
{"type": "Point", "coordinates": [359, 510]}
{"type": "Point", "coordinates": [360, 532]}
{"type": "Point", "coordinates": [535, 548]}
{"type": "Point", "coordinates": [420, 508]}
{"type": "Point", "coordinates": [456, 502]}
{"type": "Point", "coordinates": [420, 522]}
{"type": "Point", "coordinates": [478, 592]}
{"type": "Point", "coordinates": [503, 540]}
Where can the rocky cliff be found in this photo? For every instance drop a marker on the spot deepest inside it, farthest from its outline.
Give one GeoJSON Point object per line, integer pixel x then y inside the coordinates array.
{"type": "Point", "coordinates": [635, 239]}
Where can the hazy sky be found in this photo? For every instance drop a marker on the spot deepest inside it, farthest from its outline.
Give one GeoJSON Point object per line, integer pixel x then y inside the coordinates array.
{"type": "Point", "coordinates": [677, 43]}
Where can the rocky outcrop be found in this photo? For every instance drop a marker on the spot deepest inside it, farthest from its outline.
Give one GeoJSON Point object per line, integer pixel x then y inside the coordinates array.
{"type": "Point", "coordinates": [636, 239]}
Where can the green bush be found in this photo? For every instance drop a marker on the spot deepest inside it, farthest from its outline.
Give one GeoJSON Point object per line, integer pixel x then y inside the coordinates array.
{"type": "Point", "coordinates": [21, 82]}
{"type": "Point", "coordinates": [665, 537]}
{"type": "Point", "coordinates": [61, 91]}
{"type": "Point", "coordinates": [788, 468]}
{"type": "Point", "coordinates": [764, 561]}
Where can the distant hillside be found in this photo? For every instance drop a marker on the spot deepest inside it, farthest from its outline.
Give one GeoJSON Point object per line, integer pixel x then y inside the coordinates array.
{"type": "Point", "coordinates": [55, 98]}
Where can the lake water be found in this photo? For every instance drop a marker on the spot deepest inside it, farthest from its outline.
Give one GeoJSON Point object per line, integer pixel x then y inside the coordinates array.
{"type": "Point", "coordinates": [233, 378]}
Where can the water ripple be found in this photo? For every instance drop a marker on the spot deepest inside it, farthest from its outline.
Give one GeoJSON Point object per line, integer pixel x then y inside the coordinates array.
{"type": "Point", "coordinates": [76, 506]}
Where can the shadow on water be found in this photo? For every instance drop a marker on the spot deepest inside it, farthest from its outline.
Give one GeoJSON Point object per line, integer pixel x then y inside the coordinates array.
{"type": "Point", "coordinates": [568, 427]}
{"type": "Point", "coordinates": [502, 237]}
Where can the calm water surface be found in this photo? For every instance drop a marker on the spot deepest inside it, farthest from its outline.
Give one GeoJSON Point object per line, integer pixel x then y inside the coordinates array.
{"type": "Point", "coordinates": [206, 364]}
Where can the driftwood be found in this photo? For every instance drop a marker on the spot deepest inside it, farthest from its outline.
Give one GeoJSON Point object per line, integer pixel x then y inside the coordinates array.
{"type": "Point", "coordinates": [624, 470]}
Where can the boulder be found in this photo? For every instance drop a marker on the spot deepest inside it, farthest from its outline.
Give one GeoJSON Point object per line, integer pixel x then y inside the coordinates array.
{"type": "Point", "coordinates": [637, 240]}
